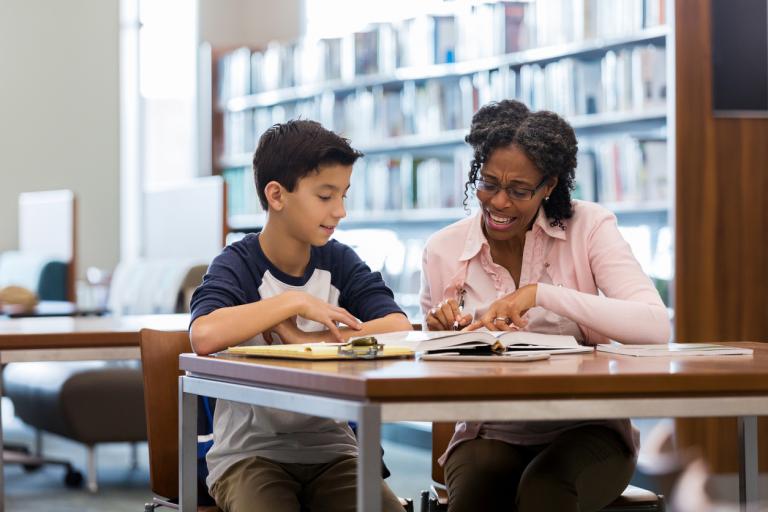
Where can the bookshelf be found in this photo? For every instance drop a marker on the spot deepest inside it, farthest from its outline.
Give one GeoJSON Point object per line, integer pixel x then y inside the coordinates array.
{"type": "Point", "coordinates": [408, 108]}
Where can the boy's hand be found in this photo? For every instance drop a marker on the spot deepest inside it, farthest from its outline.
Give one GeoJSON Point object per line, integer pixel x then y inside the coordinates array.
{"type": "Point", "coordinates": [315, 309]}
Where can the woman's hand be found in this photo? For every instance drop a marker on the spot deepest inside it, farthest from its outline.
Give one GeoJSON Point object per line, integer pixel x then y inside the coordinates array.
{"type": "Point", "coordinates": [508, 310]}
{"type": "Point", "coordinates": [446, 316]}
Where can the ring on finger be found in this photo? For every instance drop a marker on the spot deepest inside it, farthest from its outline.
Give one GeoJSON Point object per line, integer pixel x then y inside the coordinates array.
{"type": "Point", "coordinates": [504, 319]}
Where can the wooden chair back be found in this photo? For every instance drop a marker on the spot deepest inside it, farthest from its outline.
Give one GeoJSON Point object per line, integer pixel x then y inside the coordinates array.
{"type": "Point", "coordinates": [441, 436]}
{"type": "Point", "coordinates": [160, 365]}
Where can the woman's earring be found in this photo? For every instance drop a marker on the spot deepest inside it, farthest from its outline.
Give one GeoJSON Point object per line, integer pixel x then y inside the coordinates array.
{"type": "Point", "coordinates": [546, 199]}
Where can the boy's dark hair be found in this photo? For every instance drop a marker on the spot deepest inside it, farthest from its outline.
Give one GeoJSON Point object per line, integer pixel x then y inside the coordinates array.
{"type": "Point", "coordinates": [289, 151]}
{"type": "Point", "coordinates": [546, 139]}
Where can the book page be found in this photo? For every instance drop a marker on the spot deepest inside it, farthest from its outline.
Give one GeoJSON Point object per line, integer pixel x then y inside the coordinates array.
{"type": "Point", "coordinates": [674, 349]}
{"type": "Point", "coordinates": [421, 341]}
{"type": "Point", "coordinates": [435, 340]}
{"type": "Point", "coordinates": [523, 338]}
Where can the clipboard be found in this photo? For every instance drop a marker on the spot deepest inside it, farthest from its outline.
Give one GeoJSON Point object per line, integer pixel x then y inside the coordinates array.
{"type": "Point", "coordinates": [366, 348]}
{"type": "Point", "coordinates": [490, 358]}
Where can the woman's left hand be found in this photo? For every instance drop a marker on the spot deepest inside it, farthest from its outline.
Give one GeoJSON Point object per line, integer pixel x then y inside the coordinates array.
{"type": "Point", "coordinates": [508, 310]}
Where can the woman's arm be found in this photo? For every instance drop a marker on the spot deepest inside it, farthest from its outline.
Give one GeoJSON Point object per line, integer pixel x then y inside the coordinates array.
{"type": "Point", "coordinates": [624, 320]}
{"type": "Point", "coordinates": [630, 311]}
{"type": "Point", "coordinates": [229, 326]}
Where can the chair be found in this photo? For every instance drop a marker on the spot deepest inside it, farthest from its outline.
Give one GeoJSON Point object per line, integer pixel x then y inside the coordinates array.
{"type": "Point", "coordinates": [45, 264]}
{"type": "Point", "coordinates": [40, 273]}
{"type": "Point", "coordinates": [633, 499]}
{"type": "Point", "coordinates": [160, 367]}
{"type": "Point", "coordinates": [160, 362]}
{"type": "Point", "coordinates": [77, 400]}
{"type": "Point", "coordinates": [47, 225]}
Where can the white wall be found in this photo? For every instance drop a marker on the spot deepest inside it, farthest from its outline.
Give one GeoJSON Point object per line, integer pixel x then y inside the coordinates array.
{"type": "Point", "coordinates": [253, 23]}
{"type": "Point", "coordinates": [59, 111]}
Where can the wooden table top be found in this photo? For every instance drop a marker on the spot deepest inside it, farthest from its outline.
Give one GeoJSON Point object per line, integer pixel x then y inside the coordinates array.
{"type": "Point", "coordinates": [597, 375]}
{"type": "Point", "coordinates": [83, 332]}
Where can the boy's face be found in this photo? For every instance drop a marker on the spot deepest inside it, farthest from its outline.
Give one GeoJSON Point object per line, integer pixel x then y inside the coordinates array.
{"type": "Point", "coordinates": [316, 205]}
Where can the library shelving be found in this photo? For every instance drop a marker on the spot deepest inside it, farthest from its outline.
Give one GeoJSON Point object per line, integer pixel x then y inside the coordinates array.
{"type": "Point", "coordinates": [408, 108]}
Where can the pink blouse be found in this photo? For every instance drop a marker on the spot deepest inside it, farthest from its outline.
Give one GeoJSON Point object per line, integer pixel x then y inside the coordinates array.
{"type": "Point", "coordinates": [589, 285]}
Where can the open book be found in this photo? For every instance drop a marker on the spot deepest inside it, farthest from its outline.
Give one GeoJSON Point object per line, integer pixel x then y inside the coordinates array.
{"type": "Point", "coordinates": [675, 349]}
{"type": "Point", "coordinates": [469, 342]}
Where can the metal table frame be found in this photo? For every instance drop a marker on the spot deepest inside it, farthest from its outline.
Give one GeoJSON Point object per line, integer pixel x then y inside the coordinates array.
{"type": "Point", "coordinates": [370, 415]}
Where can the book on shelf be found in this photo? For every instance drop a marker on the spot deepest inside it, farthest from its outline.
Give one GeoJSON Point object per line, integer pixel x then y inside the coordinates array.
{"type": "Point", "coordinates": [674, 349]}
{"type": "Point", "coordinates": [482, 341]}
{"type": "Point", "coordinates": [626, 169]}
{"type": "Point", "coordinates": [627, 80]}
{"type": "Point", "coordinates": [462, 32]}
{"type": "Point", "coordinates": [330, 53]}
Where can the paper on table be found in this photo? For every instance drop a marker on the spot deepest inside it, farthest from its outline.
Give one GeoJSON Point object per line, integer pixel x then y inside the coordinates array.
{"type": "Point", "coordinates": [675, 349]}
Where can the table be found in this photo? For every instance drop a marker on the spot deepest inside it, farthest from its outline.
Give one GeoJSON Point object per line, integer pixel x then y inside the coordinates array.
{"type": "Point", "coordinates": [575, 386]}
{"type": "Point", "coordinates": [51, 308]}
{"type": "Point", "coordinates": [76, 339]}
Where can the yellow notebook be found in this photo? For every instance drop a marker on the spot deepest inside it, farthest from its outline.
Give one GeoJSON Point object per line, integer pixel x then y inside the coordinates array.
{"type": "Point", "coordinates": [318, 351]}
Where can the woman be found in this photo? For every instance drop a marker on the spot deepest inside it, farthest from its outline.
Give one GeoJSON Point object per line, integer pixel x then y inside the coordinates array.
{"type": "Point", "coordinates": [532, 258]}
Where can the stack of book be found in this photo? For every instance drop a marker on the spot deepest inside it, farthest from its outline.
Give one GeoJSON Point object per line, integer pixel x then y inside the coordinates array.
{"type": "Point", "coordinates": [465, 31]}
{"type": "Point", "coordinates": [623, 169]}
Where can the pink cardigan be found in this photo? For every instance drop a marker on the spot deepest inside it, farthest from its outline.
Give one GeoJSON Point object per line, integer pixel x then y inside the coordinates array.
{"type": "Point", "coordinates": [589, 255]}
{"type": "Point", "coordinates": [571, 267]}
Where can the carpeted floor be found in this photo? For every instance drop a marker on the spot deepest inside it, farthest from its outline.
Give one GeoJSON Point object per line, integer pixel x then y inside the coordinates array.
{"type": "Point", "coordinates": [125, 490]}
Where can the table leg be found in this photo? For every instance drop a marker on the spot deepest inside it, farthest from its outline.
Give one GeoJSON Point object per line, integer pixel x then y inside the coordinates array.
{"type": "Point", "coordinates": [2, 466]}
{"type": "Point", "coordinates": [369, 459]}
{"type": "Point", "coordinates": [187, 450]}
{"type": "Point", "coordinates": [748, 470]}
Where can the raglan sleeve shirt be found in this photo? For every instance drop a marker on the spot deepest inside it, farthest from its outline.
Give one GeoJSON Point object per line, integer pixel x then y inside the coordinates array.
{"type": "Point", "coordinates": [362, 292]}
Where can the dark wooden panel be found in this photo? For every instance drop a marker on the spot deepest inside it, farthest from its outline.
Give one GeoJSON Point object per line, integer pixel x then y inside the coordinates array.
{"type": "Point", "coordinates": [721, 280]}
{"type": "Point", "coordinates": [739, 56]}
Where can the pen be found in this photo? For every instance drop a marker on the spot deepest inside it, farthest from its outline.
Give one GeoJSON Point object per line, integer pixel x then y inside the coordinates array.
{"type": "Point", "coordinates": [462, 292]}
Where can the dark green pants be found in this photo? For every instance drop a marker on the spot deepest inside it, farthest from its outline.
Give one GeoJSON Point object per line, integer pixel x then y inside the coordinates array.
{"type": "Point", "coordinates": [583, 470]}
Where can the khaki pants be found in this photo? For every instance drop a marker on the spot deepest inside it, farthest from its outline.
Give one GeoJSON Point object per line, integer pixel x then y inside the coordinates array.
{"type": "Point", "coordinates": [258, 484]}
{"type": "Point", "coordinates": [583, 470]}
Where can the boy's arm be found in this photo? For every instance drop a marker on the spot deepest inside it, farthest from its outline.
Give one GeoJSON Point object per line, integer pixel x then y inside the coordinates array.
{"type": "Point", "coordinates": [229, 326]}
{"type": "Point", "coordinates": [290, 333]}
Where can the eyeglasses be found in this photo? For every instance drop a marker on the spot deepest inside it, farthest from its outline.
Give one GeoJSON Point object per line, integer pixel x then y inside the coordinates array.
{"type": "Point", "coordinates": [514, 193]}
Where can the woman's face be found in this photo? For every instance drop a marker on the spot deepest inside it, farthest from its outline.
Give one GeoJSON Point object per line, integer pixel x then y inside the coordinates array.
{"type": "Point", "coordinates": [510, 189]}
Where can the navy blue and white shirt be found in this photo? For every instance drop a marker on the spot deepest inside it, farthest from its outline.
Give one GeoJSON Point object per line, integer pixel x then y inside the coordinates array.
{"type": "Point", "coordinates": [242, 274]}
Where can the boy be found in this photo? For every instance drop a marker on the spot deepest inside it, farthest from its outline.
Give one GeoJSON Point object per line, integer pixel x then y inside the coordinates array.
{"type": "Point", "coordinates": [279, 286]}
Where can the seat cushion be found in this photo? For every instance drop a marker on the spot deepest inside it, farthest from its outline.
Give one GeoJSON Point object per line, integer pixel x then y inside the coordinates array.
{"type": "Point", "coordinates": [89, 402]}
{"type": "Point", "coordinates": [632, 499]}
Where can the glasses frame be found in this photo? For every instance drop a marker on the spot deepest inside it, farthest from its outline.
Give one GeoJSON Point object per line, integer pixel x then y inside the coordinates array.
{"type": "Point", "coordinates": [495, 189]}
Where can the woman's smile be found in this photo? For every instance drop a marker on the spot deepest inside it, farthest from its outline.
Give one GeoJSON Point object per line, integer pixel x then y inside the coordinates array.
{"type": "Point", "coordinates": [499, 222]}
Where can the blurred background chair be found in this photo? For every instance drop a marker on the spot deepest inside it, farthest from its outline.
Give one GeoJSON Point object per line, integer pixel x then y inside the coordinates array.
{"type": "Point", "coordinates": [44, 264]}
{"type": "Point", "coordinates": [103, 401]}
{"type": "Point", "coordinates": [40, 273]}
{"type": "Point", "coordinates": [96, 402]}
{"type": "Point", "coordinates": [45, 260]}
